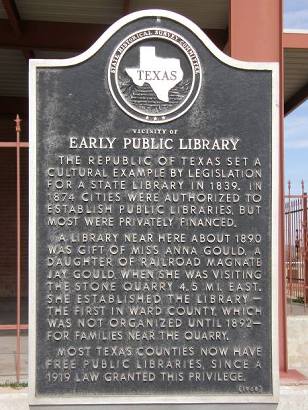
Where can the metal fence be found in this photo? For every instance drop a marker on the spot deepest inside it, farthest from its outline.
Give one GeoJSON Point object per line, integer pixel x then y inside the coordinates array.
{"type": "Point", "coordinates": [17, 326]}
{"type": "Point", "coordinates": [296, 247]}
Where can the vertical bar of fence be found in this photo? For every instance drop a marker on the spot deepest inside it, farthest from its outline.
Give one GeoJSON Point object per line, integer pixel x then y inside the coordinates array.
{"type": "Point", "coordinates": [303, 242]}
{"type": "Point", "coordinates": [305, 248]}
{"type": "Point", "coordinates": [291, 276]}
{"type": "Point", "coordinates": [18, 235]}
{"type": "Point", "coordinates": [296, 246]}
{"type": "Point", "coordinates": [295, 236]}
{"type": "Point", "coordinates": [299, 216]}
{"type": "Point", "coordinates": [289, 272]}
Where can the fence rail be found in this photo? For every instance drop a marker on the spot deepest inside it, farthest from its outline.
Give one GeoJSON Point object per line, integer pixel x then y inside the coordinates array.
{"type": "Point", "coordinates": [296, 247]}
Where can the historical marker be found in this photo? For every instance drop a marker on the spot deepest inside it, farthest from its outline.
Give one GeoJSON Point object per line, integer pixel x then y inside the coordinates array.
{"type": "Point", "coordinates": [153, 232]}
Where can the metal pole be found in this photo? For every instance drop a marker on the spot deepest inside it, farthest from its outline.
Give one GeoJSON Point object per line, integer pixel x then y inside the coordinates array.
{"type": "Point", "coordinates": [305, 244]}
{"type": "Point", "coordinates": [290, 270]}
{"type": "Point", "coordinates": [18, 235]}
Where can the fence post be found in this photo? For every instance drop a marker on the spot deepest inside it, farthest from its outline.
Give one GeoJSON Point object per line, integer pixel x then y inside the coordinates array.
{"type": "Point", "coordinates": [305, 245]}
{"type": "Point", "coordinates": [18, 238]}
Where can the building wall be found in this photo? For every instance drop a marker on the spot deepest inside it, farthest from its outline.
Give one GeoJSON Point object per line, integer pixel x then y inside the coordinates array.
{"type": "Point", "coordinates": [8, 248]}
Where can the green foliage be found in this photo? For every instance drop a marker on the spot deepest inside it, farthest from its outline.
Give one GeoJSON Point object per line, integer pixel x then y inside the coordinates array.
{"type": "Point", "coordinates": [299, 299]}
{"type": "Point", "coordinates": [14, 385]}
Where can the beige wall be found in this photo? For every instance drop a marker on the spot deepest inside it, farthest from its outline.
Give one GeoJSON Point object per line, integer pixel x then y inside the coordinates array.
{"type": "Point", "coordinates": [298, 342]}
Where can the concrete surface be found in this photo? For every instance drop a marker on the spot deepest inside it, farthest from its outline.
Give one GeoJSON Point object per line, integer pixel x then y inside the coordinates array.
{"type": "Point", "coordinates": [295, 309]}
{"type": "Point", "coordinates": [291, 398]}
{"type": "Point", "coordinates": [298, 342]}
{"type": "Point", "coordinates": [8, 357]}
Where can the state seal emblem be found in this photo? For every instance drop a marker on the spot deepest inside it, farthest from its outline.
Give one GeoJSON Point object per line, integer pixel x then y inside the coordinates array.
{"type": "Point", "coordinates": [154, 75]}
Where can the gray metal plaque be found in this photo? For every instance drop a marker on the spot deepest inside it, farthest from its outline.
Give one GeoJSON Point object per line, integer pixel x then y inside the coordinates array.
{"type": "Point", "coordinates": [153, 230]}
